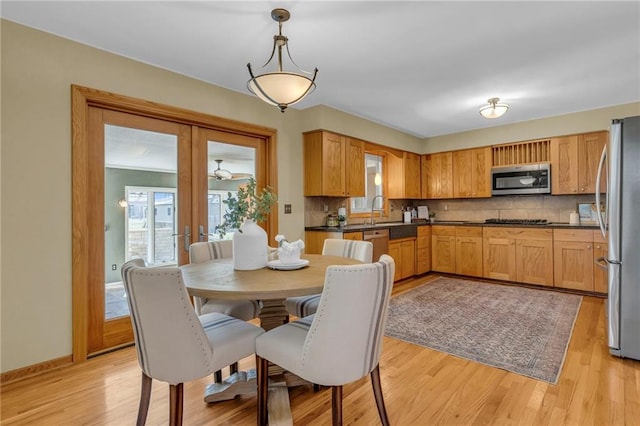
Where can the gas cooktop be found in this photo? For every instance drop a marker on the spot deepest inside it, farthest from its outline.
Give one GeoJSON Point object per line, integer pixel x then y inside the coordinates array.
{"type": "Point", "coordinates": [518, 221]}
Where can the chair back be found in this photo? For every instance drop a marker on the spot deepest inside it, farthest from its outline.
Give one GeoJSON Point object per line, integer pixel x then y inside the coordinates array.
{"type": "Point", "coordinates": [353, 249]}
{"type": "Point", "coordinates": [210, 250]}
{"type": "Point", "coordinates": [344, 341]}
{"type": "Point", "coordinates": [171, 343]}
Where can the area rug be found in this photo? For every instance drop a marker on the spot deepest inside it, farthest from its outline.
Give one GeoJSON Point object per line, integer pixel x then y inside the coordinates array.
{"type": "Point", "coordinates": [525, 331]}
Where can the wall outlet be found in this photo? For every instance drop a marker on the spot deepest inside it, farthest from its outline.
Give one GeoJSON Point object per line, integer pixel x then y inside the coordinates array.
{"type": "Point", "coordinates": [114, 267]}
{"type": "Point", "coordinates": [287, 209]}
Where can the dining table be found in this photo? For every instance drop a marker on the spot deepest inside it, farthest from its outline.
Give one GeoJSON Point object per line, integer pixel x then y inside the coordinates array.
{"type": "Point", "coordinates": [271, 285]}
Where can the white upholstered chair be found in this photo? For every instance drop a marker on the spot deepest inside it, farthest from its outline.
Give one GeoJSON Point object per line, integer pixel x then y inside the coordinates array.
{"type": "Point", "coordinates": [174, 345]}
{"type": "Point", "coordinates": [303, 306]}
{"type": "Point", "coordinates": [341, 342]}
{"type": "Point", "coordinates": [242, 309]}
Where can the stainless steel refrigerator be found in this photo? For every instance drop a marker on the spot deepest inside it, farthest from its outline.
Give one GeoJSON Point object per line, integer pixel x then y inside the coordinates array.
{"type": "Point", "coordinates": [620, 165]}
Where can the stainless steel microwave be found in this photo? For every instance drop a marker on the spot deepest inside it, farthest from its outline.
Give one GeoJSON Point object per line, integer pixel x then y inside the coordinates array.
{"type": "Point", "coordinates": [525, 179]}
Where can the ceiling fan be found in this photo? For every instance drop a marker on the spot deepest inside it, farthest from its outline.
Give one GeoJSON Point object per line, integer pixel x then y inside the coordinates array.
{"type": "Point", "coordinates": [223, 174]}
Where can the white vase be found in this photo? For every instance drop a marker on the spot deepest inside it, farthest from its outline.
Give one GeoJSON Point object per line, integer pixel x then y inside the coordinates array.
{"type": "Point", "coordinates": [249, 247]}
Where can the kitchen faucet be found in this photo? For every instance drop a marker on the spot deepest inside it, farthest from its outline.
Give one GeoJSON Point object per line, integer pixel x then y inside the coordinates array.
{"type": "Point", "coordinates": [373, 203]}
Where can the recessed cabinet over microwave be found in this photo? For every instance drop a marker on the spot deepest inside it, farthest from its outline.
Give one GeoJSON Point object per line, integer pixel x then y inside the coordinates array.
{"type": "Point", "coordinates": [525, 179]}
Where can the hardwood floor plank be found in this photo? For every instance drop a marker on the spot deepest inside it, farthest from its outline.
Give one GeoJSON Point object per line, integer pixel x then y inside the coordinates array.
{"type": "Point", "coordinates": [420, 385]}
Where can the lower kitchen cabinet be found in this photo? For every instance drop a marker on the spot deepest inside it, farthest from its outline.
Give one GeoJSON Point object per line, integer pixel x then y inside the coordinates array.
{"type": "Point", "coordinates": [600, 251]}
{"type": "Point", "coordinates": [403, 253]}
{"type": "Point", "coordinates": [314, 240]}
{"type": "Point", "coordinates": [443, 249]}
{"type": "Point", "coordinates": [469, 251]}
{"type": "Point", "coordinates": [519, 254]}
{"type": "Point", "coordinates": [356, 235]}
{"type": "Point", "coordinates": [573, 259]}
{"type": "Point", "coordinates": [423, 250]}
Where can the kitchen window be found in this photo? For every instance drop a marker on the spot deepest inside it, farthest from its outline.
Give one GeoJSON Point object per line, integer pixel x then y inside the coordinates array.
{"type": "Point", "coordinates": [374, 186]}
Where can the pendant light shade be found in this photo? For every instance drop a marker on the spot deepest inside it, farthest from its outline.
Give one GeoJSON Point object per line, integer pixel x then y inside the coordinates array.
{"type": "Point", "coordinates": [494, 109]}
{"type": "Point", "coordinates": [281, 88]}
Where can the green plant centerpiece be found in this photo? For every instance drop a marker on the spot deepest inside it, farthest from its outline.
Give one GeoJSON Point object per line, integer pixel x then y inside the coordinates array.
{"type": "Point", "coordinates": [242, 212]}
{"type": "Point", "coordinates": [248, 204]}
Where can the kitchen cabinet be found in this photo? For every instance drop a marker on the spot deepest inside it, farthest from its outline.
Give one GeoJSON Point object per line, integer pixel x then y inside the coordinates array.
{"type": "Point", "coordinates": [443, 249]}
{"type": "Point", "coordinates": [518, 254]}
{"type": "Point", "coordinates": [600, 251]}
{"type": "Point", "coordinates": [437, 175]}
{"type": "Point", "coordinates": [314, 240]}
{"type": "Point", "coordinates": [573, 259]}
{"type": "Point", "coordinates": [404, 176]}
{"type": "Point", "coordinates": [472, 173]}
{"type": "Point", "coordinates": [333, 165]}
{"type": "Point", "coordinates": [423, 250]}
{"type": "Point", "coordinates": [574, 163]}
{"type": "Point", "coordinates": [469, 248]}
{"type": "Point", "coordinates": [403, 253]}
{"type": "Point", "coordinates": [355, 235]}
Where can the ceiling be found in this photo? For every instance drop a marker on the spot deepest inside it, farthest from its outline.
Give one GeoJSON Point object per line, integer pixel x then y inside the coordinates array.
{"type": "Point", "coordinates": [421, 67]}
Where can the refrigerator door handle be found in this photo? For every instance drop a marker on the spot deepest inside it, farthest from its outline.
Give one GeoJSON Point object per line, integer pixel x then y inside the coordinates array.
{"type": "Point", "coordinates": [601, 224]}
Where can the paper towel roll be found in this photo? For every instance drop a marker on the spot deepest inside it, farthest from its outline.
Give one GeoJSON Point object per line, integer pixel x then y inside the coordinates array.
{"type": "Point", "coordinates": [406, 217]}
{"type": "Point", "coordinates": [574, 218]}
{"type": "Point", "coordinates": [342, 211]}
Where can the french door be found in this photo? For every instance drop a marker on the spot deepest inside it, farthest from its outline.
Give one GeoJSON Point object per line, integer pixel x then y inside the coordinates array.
{"type": "Point", "coordinates": [144, 187]}
{"type": "Point", "coordinates": [141, 206]}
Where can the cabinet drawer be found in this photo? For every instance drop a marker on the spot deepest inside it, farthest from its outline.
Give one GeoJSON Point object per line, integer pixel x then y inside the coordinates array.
{"type": "Point", "coordinates": [468, 231]}
{"type": "Point", "coordinates": [424, 231]}
{"type": "Point", "coordinates": [352, 236]}
{"type": "Point", "coordinates": [423, 242]}
{"type": "Point", "coordinates": [443, 230]}
{"type": "Point", "coordinates": [597, 237]}
{"type": "Point", "coordinates": [583, 235]}
{"type": "Point", "coordinates": [518, 233]}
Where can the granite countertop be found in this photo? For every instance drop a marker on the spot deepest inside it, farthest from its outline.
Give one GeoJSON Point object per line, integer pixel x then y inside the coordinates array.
{"type": "Point", "coordinates": [388, 225]}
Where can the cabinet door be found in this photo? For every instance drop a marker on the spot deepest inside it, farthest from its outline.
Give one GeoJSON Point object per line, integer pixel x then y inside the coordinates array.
{"type": "Point", "coordinates": [590, 147]}
{"type": "Point", "coordinates": [407, 259]}
{"type": "Point", "coordinates": [564, 165]}
{"type": "Point", "coordinates": [573, 265]}
{"type": "Point", "coordinates": [445, 177]}
{"type": "Point", "coordinates": [395, 253]}
{"type": "Point", "coordinates": [443, 253]}
{"type": "Point", "coordinates": [425, 178]}
{"type": "Point", "coordinates": [333, 160]}
{"type": "Point", "coordinates": [354, 168]}
{"type": "Point", "coordinates": [534, 262]}
{"type": "Point", "coordinates": [412, 175]}
{"type": "Point", "coordinates": [481, 166]}
{"type": "Point", "coordinates": [499, 258]}
{"type": "Point", "coordinates": [469, 256]}
{"type": "Point", "coordinates": [600, 279]}
{"type": "Point", "coordinates": [423, 250]}
{"type": "Point", "coordinates": [463, 174]}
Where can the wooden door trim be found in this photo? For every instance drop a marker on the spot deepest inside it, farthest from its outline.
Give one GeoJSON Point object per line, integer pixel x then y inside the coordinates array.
{"type": "Point", "coordinates": [81, 99]}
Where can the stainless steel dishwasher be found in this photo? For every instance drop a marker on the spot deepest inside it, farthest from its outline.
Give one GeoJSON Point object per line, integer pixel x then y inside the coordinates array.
{"type": "Point", "coordinates": [380, 240]}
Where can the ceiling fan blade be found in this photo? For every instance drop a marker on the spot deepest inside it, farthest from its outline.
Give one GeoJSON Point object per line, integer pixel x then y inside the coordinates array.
{"type": "Point", "coordinates": [241, 176]}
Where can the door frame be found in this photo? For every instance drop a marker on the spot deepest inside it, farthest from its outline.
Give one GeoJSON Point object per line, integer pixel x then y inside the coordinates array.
{"type": "Point", "coordinates": [81, 99]}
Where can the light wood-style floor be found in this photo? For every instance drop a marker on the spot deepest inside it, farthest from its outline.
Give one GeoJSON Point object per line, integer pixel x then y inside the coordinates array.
{"type": "Point", "coordinates": [421, 387]}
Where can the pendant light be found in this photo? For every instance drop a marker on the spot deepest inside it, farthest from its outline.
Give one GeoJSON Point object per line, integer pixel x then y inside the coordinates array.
{"type": "Point", "coordinates": [281, 88]}
{"type": "Point", "coordinates": [494, 109]}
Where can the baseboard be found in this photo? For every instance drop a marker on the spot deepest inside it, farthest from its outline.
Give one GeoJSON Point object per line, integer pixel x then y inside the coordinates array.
{"type": "Point", "coordinates": [31, 370]}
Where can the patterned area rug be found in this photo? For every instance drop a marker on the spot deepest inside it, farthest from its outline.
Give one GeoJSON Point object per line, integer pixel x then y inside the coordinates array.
{"type": "Point", "coordinates": [521, 330]}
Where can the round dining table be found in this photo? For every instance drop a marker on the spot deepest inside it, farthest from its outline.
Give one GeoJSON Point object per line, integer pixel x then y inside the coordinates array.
{"type": "Point", "coordinates": [217, 279]}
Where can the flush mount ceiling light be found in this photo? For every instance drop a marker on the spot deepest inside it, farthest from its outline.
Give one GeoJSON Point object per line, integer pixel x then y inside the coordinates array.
{"type": "Point", "coordinates": [281, 88]}
{"type": "Point", "coordinates": [494, 109]}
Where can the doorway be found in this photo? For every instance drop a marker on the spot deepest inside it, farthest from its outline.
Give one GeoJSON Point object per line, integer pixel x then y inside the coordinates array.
{"type": "Point", "coordinates": [144, 186]}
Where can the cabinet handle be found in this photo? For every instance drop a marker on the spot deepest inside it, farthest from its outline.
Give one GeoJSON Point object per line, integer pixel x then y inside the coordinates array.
{"type": "Point", "coordinates": [588, 247]}
{"type": "Point", "coordinates": [582, 189]}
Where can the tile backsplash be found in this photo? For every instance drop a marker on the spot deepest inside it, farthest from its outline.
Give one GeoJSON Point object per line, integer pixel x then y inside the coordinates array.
{"type": "Point", "coordinates": [553, 208]}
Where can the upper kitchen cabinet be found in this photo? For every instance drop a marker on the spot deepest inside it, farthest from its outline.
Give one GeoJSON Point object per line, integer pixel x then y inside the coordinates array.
{"type": "Point", "coordinates": [404, 176]}
{"type": "Point", "coordinates": [472, 173]}
{"type": "Point", "coordinates": [574, 163]}
{"type": "Point", "coordinates": [333, 165]}
{"type": "Point", "coordinates": [437, 175]}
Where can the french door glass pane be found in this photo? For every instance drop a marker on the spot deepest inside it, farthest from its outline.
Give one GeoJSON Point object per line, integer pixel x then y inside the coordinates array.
{"type": "Point", "coordinates": [140, 205]}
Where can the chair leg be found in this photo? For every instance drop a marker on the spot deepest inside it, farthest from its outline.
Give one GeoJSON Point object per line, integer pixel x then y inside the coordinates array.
{"type": "Point", "coordinates": [377, 392]}
{"type": "Point", "coordinates": [336, 405]}
{"type": "Point", "coordinates": [233, 368]}
{"type": "Point", "coordinates": [145, 397]}
{"type": "Point", "coordinates": [262, 367]}
{"type": "Point", "coordinates": [175, 404]}
{"type": "Point", "coordinates": [217, 376]}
